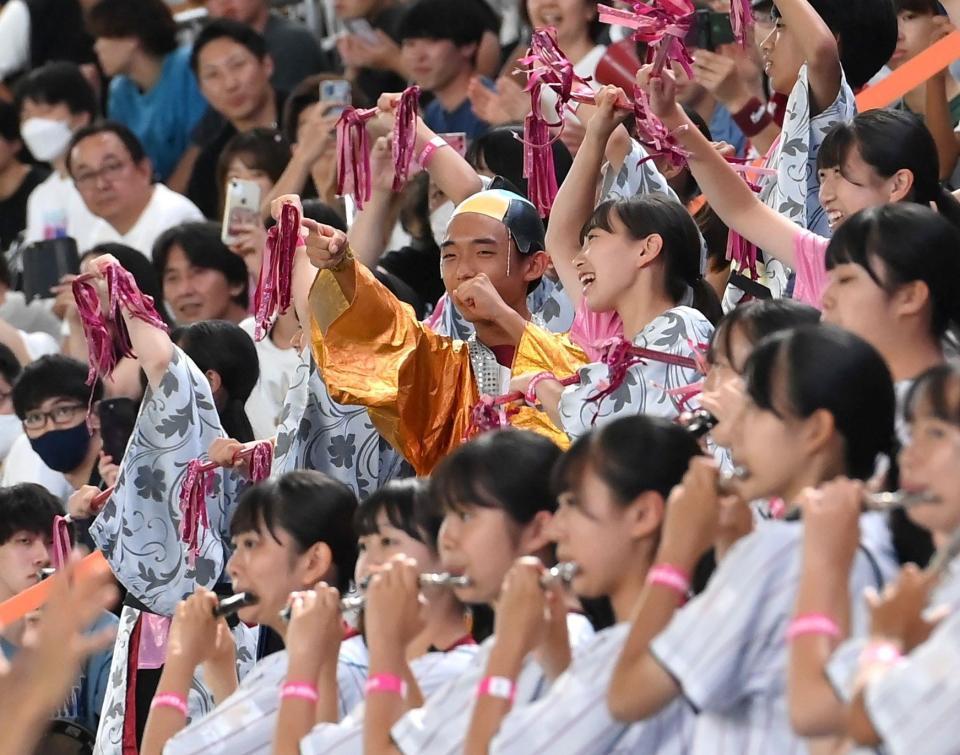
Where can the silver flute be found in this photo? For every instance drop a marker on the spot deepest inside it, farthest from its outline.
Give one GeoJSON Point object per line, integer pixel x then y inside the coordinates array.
{"type": "Point", "coordinates": [897, 499]}
{"type": "Point", "coordinates": [726, 480]}
{"type": "Point", "coordinates": [699, 423]}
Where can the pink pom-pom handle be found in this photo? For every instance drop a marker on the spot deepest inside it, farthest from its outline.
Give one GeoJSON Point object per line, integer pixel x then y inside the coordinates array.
{"type": "Point", "coordinates": [273, 294]}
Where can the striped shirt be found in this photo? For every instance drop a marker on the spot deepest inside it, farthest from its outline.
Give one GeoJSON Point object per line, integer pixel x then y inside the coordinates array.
{"type": "Point", "coordinates": [727, 648]}
{"type": "Point", "coordinates": [246, 721]}
{"type": "Point", "coordinates": [573, 718]}
{"type": "Point", "coordinates": [440, 726]}
{"type": "Point", "coordinates": [431, 671]}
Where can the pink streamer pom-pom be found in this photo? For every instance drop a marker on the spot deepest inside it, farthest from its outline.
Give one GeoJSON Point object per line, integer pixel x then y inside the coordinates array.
{"type": "Point", "coordinates": [62, 544]}
{"type": "Point", "coordinates": [353, 155]}
{"type": "Point", "coordinates": [652, 133]}
{"type": "Point", "coordinates": [684, 394]}
{"type": "Point", "coordinates": [273, 294]}
{"type": "Point", "coordinates": [261, 461]}
{"type": "Point", "coordinates": [404, 136]}
{"type": "Point", "coordinates": [487, 415]}
{"type": "Point", "coordinates": [742, 21]}
{"type": "Point", "coordinates": [193, 506]}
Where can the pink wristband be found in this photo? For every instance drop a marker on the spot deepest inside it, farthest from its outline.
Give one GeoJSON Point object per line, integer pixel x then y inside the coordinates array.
{"type": "Point", "coordinates": [669, 576]}
{"type": "Point", "coordinates": [498, 686]}
{"type": "Point", "coordinates": [437, 142]}
{"type": "Point", "coordinates": [170, 700]}
{"type": "Point", "coordinates": [531, 394]}
{"type": "Point", "coordinates": [299, 690]}
{"type": "Point", "coordinates": [390, 683]}
{"type": "Point", "coordinates": [812, 623]}
{"type": "Point", "coordinates": [881, 653]}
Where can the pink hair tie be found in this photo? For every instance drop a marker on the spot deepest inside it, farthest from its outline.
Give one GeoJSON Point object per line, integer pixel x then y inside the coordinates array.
{"type": "Point", "coordinates": [170, 700]}
{"type": "Point", "coordinates": [669, 576]}
{"type": "Point", "coordinates": [812, 623]}
{"type": "Point", "coordinates": [299, 691]}
{"type": "Point", "coordinates": [498, 686]}
{"type": "Point", "coordinates": [388, 683]}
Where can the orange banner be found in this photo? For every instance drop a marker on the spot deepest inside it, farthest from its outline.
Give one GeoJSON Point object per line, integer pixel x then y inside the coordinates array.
{"type": "Point", "coordinates": [911, 74]}
{"type": "Point", "coordinates": [15, 608]}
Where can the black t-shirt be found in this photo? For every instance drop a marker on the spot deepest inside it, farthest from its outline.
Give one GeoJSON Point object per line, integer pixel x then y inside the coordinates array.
{"type": "Point", "coordinates": [13, 209]}
{"type": "Point", "coordinates": [211, 135]}
{"type": "Point", "coordinates": [419, 267]}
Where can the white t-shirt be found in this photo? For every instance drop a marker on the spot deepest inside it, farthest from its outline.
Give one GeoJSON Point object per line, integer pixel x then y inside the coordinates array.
{"type": "Point", "coordinates": [24, 465]}
{"type": "Point", "coordinates": [39, 344]}
{"type": "Point", "coordinates": [14, 38]}
{"type": "Point", "coordinates": [55, 209]}
{"type": "Point", "coordinates": [165, 209]}
{"type": "Point", "coordinates": [278, 368]}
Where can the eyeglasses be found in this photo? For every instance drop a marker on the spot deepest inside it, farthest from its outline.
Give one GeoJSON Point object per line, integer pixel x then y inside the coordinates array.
{"type": "Point", "coordinates": [59, 416]}
{"type": "Point", "coordinates": [110, 170]}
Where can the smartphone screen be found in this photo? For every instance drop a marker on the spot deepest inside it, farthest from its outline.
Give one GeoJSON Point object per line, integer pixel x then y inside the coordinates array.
{"type": "Point", "coordinates": [338, 91]}
{"type": "Point", "coordinates": [360, 27]}
{"type": "Point", "coordinates": [241, 207]}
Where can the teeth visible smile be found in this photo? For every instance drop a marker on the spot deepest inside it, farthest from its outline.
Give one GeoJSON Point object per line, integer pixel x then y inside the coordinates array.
{"type": "Point", "coordinates": [834, 217]}
{"type": "Point", "coordinates": [586, 279]}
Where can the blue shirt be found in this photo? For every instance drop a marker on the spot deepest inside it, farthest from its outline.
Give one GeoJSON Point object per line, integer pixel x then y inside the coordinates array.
{"type": "Point", "coordinates": [462, 118]}
{"type": "Point", "coordinates": [724, 129]}
{"type": "Point", "coordinates": [163, 117]}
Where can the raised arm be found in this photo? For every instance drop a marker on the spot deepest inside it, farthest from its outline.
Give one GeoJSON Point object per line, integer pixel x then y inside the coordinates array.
{"type": "Point", "coordinates": [729, 196]}
{"type": "Point", "coordinates": [819, 47]}
{"type": "Point", "coordinates": [577, 195]}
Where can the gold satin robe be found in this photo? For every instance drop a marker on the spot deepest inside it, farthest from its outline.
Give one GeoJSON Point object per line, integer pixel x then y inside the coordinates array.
{"type": "Point", "coordinates": [418, 386]}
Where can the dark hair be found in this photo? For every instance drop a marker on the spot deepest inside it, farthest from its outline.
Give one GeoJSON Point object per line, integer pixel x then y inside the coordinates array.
{"type": "Point", "coordinates": [9, 122]}
{"type": "Point", "coordinates": [150, 21]}
{"type": "Point", "coordinates": [923, 7]}
{"type": "Point", "coordinates": [52, 376]}
{"type": "Point", "coordinates": [55, 83]}
{"type": "Point", "coordinates": [461, 23]}
{"type": "Point", "coordinates": [507, 469]}
{"type": "Point", "coordinates": [221, 28]}
{"type": "Point", "coordinates": [308, 506]}
{"type": "Point", "coordinates": [911, 243]}
{"type": "Point", "coordinates": [27, 507]}
{"type": "Point", "coordinates": [646, 214]}
{"type": "Point", "coordinates": [139, 267]}
{"type": "Point", "coordinates": [502, 152]}
{"type": "Point", "coordinates": [125, 135]}
{"type": "Point", "coordinates": [10, 367]}
{"type": "Point", "coordinates": [757, 319]}
{"type": "Point", "coordinates": [317, 209]}
{"type": "Point", "coordinates": [866, 31]}
{"type": "Point", "coordinates": [632, 455]}
{"type": "Point", "coordinates": [813, 367]}
{"type": "Point", "coordinates": [201, 243]}
{"type": "Point", "coordinates": [597, 31]}
{"type": "Point", "coordinates": [889, 141]}
{"type": "Point", "coordinates": [406, 504]}
{"type": "Point", "coordinates": [938, 391]}
{"type": "Point", "coordinates": [262, 149]}
{"type": "Point", "coordinates": [228, 350]}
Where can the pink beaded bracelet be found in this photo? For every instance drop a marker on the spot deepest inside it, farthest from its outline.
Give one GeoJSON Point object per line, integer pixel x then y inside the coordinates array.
{"type": "Point", "coordinates": [389, 683]}
{"type": "Point", "coordinates": [669, 576]}
{"type": "Point", "coordinates": [812, 623]}
{"type": "Point", "coordinates": [531, 393]}
{"type": "Point", "coordinates": [299, 690]}
{"type": "Point", "coordinates": [170, 700]}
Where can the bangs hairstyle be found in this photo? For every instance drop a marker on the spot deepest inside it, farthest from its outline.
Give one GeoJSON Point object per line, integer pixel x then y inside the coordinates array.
{"type": "Point", "coordinates": [507, 469]}
{"type": "Point", "coordinates": [757, 319]}
{"type": "Point", "coordinates": [406, 505]}
{"type": "Point", "coordinates": [650, 214]}
{"type": "Point", "coordinates": [311, 508]}
{"type": "Point", "coordinates": [261, 149]}
{"type": "Point", "coordinates": [922, 7]}
{"type": "Point", "coordinates": [889, 141]}
{"type": "Point", "coordinates": [53, 376]}
{"type": "Point", "coordinates": [27, 507]}
{"type": "Point", "coordinates": [935, 394]}
{"type": "Point", "coordinates": [900, 243]}
{"type": "Point", "coordinates": [797, 372]}
{"type": "Point", "coordinates": [632, 455]}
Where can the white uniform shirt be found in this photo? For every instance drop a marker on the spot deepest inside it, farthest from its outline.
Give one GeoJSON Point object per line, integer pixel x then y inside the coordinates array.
{"type": "Point", "coordinates": [165, 209]}
{"type": "Point", "coordinates": [431, 671]}
{"type": "Point", "coordinates": [247, 720]}
{"type": "Point", "coordinates": [727, 648]}
{"type": "Point", "coordinates": [278, 373]}
{"type": "Point", "coordinates": [440, 726]}
{"type": "Point", "coordinates": [573, 718]}
{"type": "Point", "coordinates": [55, 208]}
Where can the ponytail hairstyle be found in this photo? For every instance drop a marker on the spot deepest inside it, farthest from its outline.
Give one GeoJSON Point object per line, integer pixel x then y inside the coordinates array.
{"type": "Point", "coordinates": [311, 508]}
{"type": "Point", "coordinates": [407, 506]}
{"type": "Point", "coordinates": [797, 372]}
{"type": "Point", "coordinates": [227, 350]}
{"type": "Point", "coordinates": [757, 319]}
{"type": "Point", "coordinates": [888, 141]}
{"type": "Point", "coordinates": [649, 214]}
{"type": "Point", "coordinates": [901, 243]}
{"type": "Point", "coordinates": [507, 469]}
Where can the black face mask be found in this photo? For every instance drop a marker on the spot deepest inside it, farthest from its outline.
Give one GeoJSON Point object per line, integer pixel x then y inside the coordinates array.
{"type": "Point", "coordinates": [63, 450]}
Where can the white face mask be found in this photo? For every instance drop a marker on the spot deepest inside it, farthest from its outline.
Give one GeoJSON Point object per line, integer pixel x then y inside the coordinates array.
{"type": "Point", "coordinates": [439, 220]}
{"type": "Point", "coordinates": [10, 430]}
{"type": "Point", "coordinates": [46, 138]}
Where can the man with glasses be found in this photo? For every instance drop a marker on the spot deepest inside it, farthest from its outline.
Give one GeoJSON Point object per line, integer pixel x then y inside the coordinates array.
{"type": "Point", "coordinates": [115, 179]}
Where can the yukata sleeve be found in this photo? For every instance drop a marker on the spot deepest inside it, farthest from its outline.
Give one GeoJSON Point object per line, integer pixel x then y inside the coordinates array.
{"type": "Point", "coordinates": [138, 530]}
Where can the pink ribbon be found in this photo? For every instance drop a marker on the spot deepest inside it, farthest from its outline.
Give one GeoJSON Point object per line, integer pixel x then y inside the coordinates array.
{"type": "Point", "coordinates": [261, 461]}
{"type": "Point", "coordinates": [353, 155]}
{"type": "Point", "coordinates": [742, 21]}
{"type": "Point", "coordinates": [273, 294]}
{"type": "Point", "coordinates": [653, 134]}
{"type": "Point", "coordinates": [739, 250]}
{"type": "Point", "coordinates": [662, 27]}
{"type": "Point", "coordinates": [193, 506]}
{"type": "Point", "coordinates": [494, 412]}
{"type": "Point", "coordinates": [62, 544]}
{"type": "Point", "coordinates": [404, 135]}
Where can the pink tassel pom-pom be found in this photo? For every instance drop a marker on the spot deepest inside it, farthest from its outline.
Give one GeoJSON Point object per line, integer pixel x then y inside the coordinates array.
{"type": "Point", "coordinates": [62, 544]}
{"type": "Point", "coordinates": [742, 21]}
{"type": "Point", "coordinates": [652, 133]}
{"type": "Point", "coordinates": [404, 136]}
{"type": "Point", "coordinates": [353, 155]}
{"type": "Point", "coordinates": [538, 167]}
{"type": "Point", "coordinates": [193, 506]}
{"type": "Point", "coordinates": [273, 294]}
{"type": "Point", "coordinates": [261, 461]}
